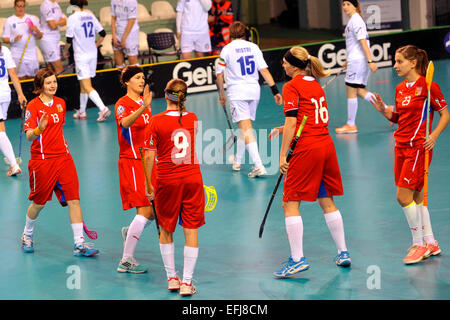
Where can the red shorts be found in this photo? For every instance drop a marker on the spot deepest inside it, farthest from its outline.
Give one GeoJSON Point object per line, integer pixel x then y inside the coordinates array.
{"type": "Point", "coordinates": [57, 175]}
{"type": "Point", "coordinates": [182, 198]}
{"type": "Point", "coordinates": [409, 167]}
{"type": "Point", "coordinates": [313, 173]}
{"type": "Point", "coordinates": [132, 183]}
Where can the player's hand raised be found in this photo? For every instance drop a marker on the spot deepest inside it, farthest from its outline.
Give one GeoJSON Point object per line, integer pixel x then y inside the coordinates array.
{"type": "Point", "coordinates": [378, 102]}
{"type": "Point", "coordinates": [147, 96]}
{"type": "Point", "coordinates": [43, 122]}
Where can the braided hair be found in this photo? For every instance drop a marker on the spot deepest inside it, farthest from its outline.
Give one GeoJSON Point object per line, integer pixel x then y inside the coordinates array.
{"type": "Point", "coordinates": [176, 91]}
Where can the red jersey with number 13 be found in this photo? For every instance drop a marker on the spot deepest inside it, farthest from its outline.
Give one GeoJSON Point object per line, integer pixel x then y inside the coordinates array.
{"type": "Point", "coordinates": [51, 143]}
{"type": "Point", "coordinates": [304, 95]}
{"type": "Point", "coordinates": [174, 143]}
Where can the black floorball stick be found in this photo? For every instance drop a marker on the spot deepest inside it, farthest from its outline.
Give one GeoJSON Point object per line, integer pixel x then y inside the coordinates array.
{"type": "Point", "coordinates": [148, 182]}
{"type": "Point", "coordinates": [289, 155]}
{"type": "Point", "coordinates": [233, 138]}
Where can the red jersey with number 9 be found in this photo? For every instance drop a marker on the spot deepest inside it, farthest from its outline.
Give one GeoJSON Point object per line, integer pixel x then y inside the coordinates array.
{"type": "Point", "coordinates": [411, 105]}
{"type": "Point", "coordinates": [51, 143]}
{"type": "Point", "coordinates": [304, 95]}
{"type": "Point", "coordinates": [174, 144]}
{"type": "Point", "coordinates": [132, 138]}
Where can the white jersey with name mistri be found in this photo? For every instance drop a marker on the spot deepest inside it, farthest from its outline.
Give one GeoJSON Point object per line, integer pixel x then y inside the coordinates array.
{"type": "Point", "coordinates": [355, 31]}
{"type": "Point", "coordinates": [241, 60]}
{"type": "Point", "coordinates": [6, 62]}
{"type": "Point", "coordinates": [124, 10]}
{"type": "Point", "coordinates": [15, 26]}
{"type": "Point", "coordinates": [50, 11]}
{"type": "Point", "coordinates": [82, 27]}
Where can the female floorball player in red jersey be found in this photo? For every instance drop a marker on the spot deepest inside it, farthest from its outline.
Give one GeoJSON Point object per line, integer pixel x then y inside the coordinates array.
{"type": "Point", "coordinates": [313, 171]}
{"type": "Point", "coordinates": [133, 113]}
{"type": "Point", "coordinates": [179, 193]}
{"type": "Point", "coordinates": [51, 167]}
{"type": "Point", "coordinates": [410, 104]}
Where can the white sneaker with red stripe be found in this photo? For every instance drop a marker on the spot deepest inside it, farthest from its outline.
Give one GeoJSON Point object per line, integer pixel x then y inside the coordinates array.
{"type": "Point", "coordinates": [187, 289]}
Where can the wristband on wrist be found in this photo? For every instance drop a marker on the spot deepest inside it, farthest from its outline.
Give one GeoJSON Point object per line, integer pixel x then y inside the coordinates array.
{"type": "Point", "coordinates": [370, 61]}
{"type": "Point", "coordinates": [274, 90]}
{"type": "Point", "coordinates": [37, 131]}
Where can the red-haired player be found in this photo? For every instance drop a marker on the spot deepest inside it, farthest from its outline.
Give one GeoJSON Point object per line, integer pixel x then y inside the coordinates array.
{"type": "Point", "coordinates": [410, 104]}
{"type": "Point", "coordinates": [51, 167]}
{"type": "Point", "coordinates": [133, 113]}
{"type": "Point", "coordinates": [179, 194]}
{"type": "Point", "coordinates": [313, 171]}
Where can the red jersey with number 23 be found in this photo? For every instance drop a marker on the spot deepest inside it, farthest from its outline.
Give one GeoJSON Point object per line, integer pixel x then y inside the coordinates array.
{"type": "Point", "coordinates": [51, 143]}
{"type": "Point", "coordinates": [174, 143]}
{"type": "Point", "coordinates": [411, 107]}
{"type": "Point", "coordinates": [304, 95]}
{"type": "Point", "coordinates": [132, 138]}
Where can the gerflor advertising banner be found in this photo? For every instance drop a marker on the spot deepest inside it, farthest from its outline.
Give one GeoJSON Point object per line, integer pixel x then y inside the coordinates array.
{"type": "Point", "coordinates": [200, 76]}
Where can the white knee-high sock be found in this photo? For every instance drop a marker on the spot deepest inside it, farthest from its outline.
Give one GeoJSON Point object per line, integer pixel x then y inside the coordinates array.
{"type": "Point", "coordinates": [294, 230]}
{"type": "Point", "coordinates": [414, 218]}
{"type": "Point", "coordinates": [240, 150]}
{"type": "Point", "coordinates": [7, 149]}
{"type": "Point", "coordinates": [78, 233]}
{"type": "Point", "coordinates": [352, 109]}
{"type": "Point", "coordinates": [29, 226]}
{"type": "Point", "coordinates": [252, 148]}
{"type": "Point", "coordinates": [168, 257]}
{"type": "Point", "coordinates": [336, 226]}
{"type": "Point", "coordinates": [95, 97]}
{"type": "Point", "coordinates": [426, 224]}
{"type": "Point", "coordinates": [133, 234]}
{"type": "Point", "coordinates": [190, 260]}
{"type": "Point", "coordinates": [84, 97]}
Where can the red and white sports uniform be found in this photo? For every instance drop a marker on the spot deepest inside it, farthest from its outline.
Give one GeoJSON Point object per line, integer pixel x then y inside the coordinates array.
{"type": "Point", "coordinates": [51, 167]}
{"type": "Point", "coordinates": [131, 170]}
{"type": "Point", "coordinates": [179, 193]}
{"type": "Point", "coordinates": [411, 116]}
{"type": "Point", "coordinates": [313, 169]}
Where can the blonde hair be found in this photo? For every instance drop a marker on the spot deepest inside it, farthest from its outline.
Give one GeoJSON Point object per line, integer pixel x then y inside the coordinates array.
{"type": "Point", "coordinates": [315, 67]}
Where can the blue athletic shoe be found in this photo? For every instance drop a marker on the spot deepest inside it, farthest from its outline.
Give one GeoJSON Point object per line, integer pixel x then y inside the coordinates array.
{"type": "Point", "coordinates": [291, 268]}
{"type": "Point", "coordinates": [83, 250]}
{"type": "Point", "coordinates": [27, 244]}
{"type": "Point", "coordinates": [343, 259]}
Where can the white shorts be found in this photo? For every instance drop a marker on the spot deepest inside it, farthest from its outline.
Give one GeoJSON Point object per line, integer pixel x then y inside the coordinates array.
{"type": "Point", "coordinates": [243, 110]}
{"type": "Point", "coordinates": [4, 110]}
{"type": "Point", "coordinates": [195, 42]}
{"type": "Point", "coordinates": [27, 67]}
{"type": "Point", "coordinates": [357, 72]}
{"type": "Point", "coordinates": [51, 50]}
{"type": "Point", "coordinates": [86, 68]}
{"type": "Point", "coordinates": [132, 44]}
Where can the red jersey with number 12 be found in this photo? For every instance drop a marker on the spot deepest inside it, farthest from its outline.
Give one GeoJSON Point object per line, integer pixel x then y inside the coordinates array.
{"type": "Point", "coordinates": [411, 105]}
{"type": "Point", "coordinates": [51, 143]}
{"type": "Point", "coordinates": [132, 138]}
{"type": "Point", "coordinates": [304, 95]}
{"type": "Point", "coordinates": [174, 143]}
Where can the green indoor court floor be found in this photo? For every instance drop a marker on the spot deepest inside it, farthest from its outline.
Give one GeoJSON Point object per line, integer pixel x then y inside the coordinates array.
{"type": "Point", "coordinates": [233, 263]}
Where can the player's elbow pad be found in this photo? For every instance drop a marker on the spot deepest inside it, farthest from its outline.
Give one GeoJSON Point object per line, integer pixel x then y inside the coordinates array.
{"type": "Point", "coordinates": [102, 33]}
{"type": "Point", "coordinates": [69, 40]}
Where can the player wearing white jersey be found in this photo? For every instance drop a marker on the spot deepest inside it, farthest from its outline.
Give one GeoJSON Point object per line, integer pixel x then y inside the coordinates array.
{"type": "Point", "coordinates": [193, 28]}
{"type": "Point", "coordinates": [125, 31]}
{"type": "Point", "coordinates": [241, 60]}
{"type": "Point", "coordinates": [359, 63]}
{"type": "Point", "coordinates": [52, 19]}
{"type": "Point", "coordinates": [7, 67]}
{"type": "Point", "coordinates": [21, 31]}
{"type": "Point", "coordinates": [82, 26]}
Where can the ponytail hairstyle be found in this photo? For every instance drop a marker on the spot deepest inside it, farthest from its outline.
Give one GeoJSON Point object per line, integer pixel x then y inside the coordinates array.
{"type": "Point", "coordinates": [311, 64]}
{"type": "Point", "coordinates": [412, 53]}
{"type": "Point", "coordinates": [176, 91]}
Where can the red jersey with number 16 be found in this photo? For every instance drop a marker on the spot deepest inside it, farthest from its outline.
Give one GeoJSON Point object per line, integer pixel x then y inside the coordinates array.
{"type": "Point", "coordinates": [132, 138]}
{"type": "Point", "coordinates": [411, 106]}
{"type": "Point", "coordinates": [174, 143]}
{"type": "Point", "coordinates": [51, 143]}
{"type": "Point", "coordinates": [304, 95]}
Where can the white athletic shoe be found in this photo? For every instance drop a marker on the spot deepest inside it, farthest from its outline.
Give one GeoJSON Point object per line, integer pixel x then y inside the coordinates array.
{"type": "Point", "coordinates": [174, 283]}
{"type": "Point", "coordinates": [235, 165]}
{"type": "Point", "coordinates": [81, 116]}
{"type": "Point", "coordinates": [187, 289]}
{"type": "Point", "coordinates": [102, 115]}
{"type": "Point", "coordinates": [13, 171]}
{"type": "Point", "coordinates": [257, 172]}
